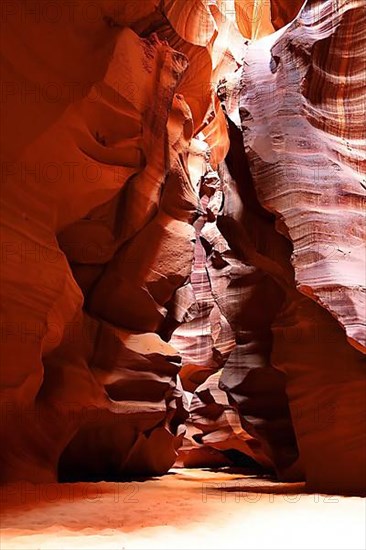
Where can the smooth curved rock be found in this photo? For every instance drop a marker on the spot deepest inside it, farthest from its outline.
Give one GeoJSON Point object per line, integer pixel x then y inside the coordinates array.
{"type": "Point", "coordinates": [295, 106]}
{"type": "Point", "coordinates": [182, 212]}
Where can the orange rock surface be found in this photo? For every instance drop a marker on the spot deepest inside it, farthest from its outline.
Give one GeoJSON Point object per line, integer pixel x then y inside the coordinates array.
{"type": "Point", "coordinates": [183, 191]}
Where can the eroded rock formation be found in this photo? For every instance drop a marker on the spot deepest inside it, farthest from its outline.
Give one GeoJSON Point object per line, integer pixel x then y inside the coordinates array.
{"type": "Point", "coordinates": [183, 212]}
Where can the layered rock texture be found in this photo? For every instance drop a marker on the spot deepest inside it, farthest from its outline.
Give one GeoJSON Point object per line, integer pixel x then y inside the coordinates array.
{"type": "Point", "coordinates": [183, 239]}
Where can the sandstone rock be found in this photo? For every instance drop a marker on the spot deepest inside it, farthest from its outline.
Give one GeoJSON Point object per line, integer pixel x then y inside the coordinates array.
{"type": "Point", "coordinates": [182, 193]}
{"type": "Point", "coordinates": [297, 123]}
{"type": "Point", "coordinates": [63, 185]}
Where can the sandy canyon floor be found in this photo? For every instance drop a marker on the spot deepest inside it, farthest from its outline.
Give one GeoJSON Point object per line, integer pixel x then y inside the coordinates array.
{"type": "Point", "coordinates": [183, 509]}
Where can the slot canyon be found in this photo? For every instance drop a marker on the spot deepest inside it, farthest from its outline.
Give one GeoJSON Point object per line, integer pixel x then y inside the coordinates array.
{"type": "Point", "coordinates": [183, 274]}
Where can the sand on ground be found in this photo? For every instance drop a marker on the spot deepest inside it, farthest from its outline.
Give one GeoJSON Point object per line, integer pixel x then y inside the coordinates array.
{"type": "Point", "coordinates": [184, 509]}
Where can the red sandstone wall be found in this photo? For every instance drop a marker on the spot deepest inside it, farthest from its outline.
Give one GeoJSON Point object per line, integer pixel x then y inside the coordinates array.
{"type": "Point", "coordinates": [182, 203]}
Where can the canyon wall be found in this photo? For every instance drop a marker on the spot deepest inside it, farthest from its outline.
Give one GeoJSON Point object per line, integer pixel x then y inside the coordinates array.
{"type": "Point", "coordinates": [183, 239]}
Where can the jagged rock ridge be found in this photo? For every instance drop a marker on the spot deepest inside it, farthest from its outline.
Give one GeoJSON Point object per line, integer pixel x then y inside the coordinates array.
{"type": "Point", "coordinates": [186, 212]}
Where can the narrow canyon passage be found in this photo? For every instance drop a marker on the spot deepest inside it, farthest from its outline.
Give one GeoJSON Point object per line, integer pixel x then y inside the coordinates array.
{"type": "Point", "coordinates": [183, 274]}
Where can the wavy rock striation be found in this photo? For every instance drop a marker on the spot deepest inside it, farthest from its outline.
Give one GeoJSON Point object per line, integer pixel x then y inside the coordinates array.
{"type": "Point", "coordinates": [84, 374]}
{"type": "Point", "coordinates": [183, 192]}
{"type": "Point", "coordinates": [301, 106]}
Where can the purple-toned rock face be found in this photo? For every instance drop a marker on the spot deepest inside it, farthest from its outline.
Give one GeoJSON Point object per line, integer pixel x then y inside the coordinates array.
{"type": "Point", "coordinates": [183, 239]}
